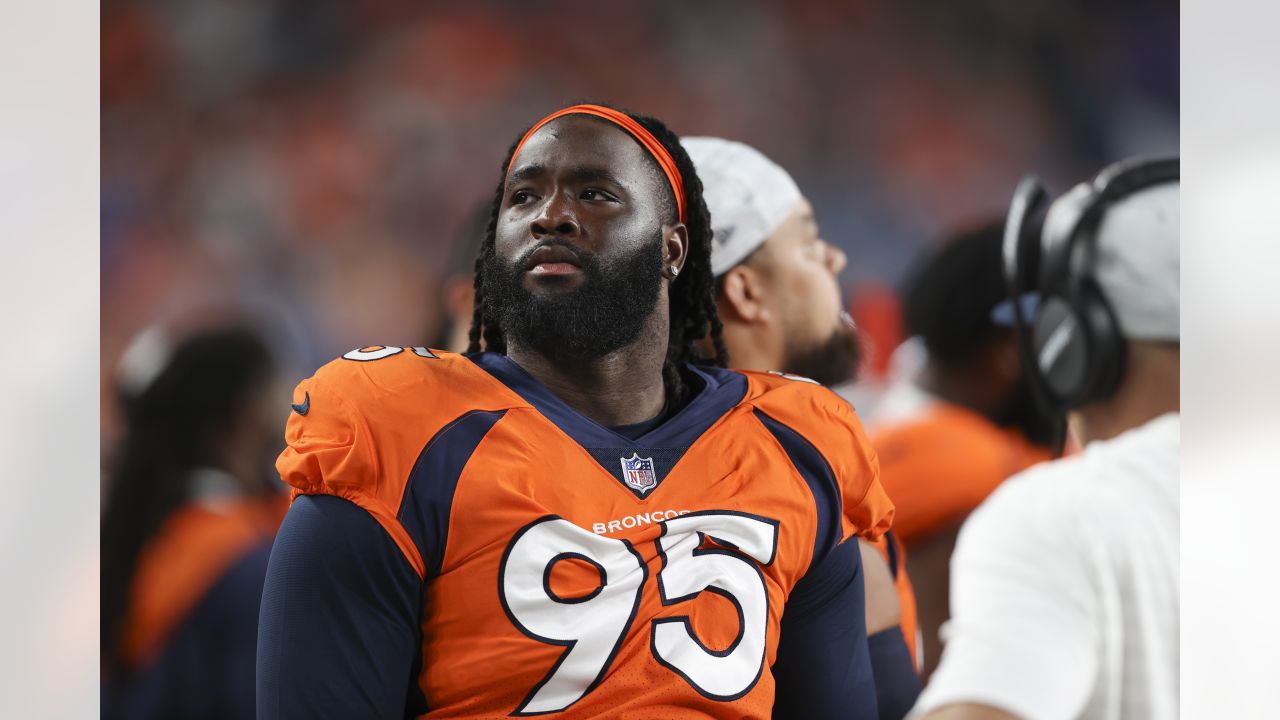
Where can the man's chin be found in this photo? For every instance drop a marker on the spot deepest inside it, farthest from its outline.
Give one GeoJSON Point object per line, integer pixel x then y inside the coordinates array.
{"type": "Point", "coordinates": [831, 362]}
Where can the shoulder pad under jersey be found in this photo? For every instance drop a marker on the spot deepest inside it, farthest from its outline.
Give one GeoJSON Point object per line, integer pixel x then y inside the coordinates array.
{"type": "Point", "coordinates": [354, 421]}
{"type": "Point", "coordinates": [828, 423]}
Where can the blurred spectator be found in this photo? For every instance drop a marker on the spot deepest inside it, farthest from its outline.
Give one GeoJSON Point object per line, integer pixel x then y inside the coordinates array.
{"type": "Point", "coordinates": [1065, 582]}
{"type": "Point", "coordinates": [457, 286]}
{"type": "Point", "coordinates": [958, 420]}
{"type": "Point", "coordinates": [778, 297]}
{"type": "Point", "coordinates": [192, 506]}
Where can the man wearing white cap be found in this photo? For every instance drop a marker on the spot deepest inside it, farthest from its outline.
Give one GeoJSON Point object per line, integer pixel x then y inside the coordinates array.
{"type": "Point", "coordinates": [776, 276]}
{"type": "Point", "coordinates": [1065, 581]}
{"type": "Point", "coordinates": [780, 302]}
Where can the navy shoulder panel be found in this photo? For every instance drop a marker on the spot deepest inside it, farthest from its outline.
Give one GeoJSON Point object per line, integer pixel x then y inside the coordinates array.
{"type": "Point", "coordinates": [817, 473]}
{"type": "Point", "coordinates": [428, 497]}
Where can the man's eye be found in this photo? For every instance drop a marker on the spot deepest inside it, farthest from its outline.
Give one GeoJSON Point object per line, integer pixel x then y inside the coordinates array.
{"type": "Point", "coordinates": [520, 197]}
{"type": "Point", "coordinates": [593, 194]}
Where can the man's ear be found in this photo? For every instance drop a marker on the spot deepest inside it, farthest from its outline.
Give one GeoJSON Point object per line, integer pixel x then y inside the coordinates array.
{"type": "Point", "coordinates": [675, 249]}
{"type": "Point", "coordinates": [744, 296]}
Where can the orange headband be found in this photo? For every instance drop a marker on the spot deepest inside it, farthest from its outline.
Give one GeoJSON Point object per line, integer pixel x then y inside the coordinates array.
{"type": "Point", "coordinates": [624, 121]}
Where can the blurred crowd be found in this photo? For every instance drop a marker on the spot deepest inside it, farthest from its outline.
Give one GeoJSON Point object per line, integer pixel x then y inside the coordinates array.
{"type": "Point", "coordinates": [313, 170]}
{"type": "Point", "coordinates": [314, 161]}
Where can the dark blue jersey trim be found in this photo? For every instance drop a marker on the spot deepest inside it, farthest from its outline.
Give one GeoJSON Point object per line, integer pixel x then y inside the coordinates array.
{"type": "Point", "coordinates": [817, 473]}
{"type": "Point", "coordinates": [551, 593]}
{"type": "Point", "coordinates": [721, 391]}
{"type": "Point", "coordinates": [428, 497]}
{"type": "Point", "coordinates": [666, 443]}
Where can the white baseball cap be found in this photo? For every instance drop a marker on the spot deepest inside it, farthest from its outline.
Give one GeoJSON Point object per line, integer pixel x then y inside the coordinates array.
{"type": "Point", "coordinates": [1137, 261]}
{"type": "Point", "coordinates": [748, 195]}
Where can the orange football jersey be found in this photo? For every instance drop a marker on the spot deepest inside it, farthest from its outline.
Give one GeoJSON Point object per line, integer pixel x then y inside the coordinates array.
{"type": "Point", "coordinates": [567, 568]}
{"type": "Point", "coordinates": [940, 466]}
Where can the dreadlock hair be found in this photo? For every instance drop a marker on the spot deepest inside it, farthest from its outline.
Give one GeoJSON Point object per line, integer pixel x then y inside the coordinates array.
{"type": "Point", "coordinates": [173, 427]}
{"type": "Point", "coordinates": [692, 298]}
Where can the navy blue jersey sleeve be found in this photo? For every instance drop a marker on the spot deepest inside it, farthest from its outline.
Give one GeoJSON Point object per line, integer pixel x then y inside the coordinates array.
{"type": "Point", "coordinates": [823, 668]}
{"type": "Point", "coordinates": [339, 634]}
{"type": "Point", "coordinates": [897, 684]}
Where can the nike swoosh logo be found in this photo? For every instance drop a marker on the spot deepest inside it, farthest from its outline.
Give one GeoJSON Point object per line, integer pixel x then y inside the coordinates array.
{"type": "Point", "coordinates": [305, 407]}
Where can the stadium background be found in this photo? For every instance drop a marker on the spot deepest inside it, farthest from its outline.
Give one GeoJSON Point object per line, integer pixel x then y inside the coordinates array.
{"type": "Point", "coordinates": [312, 162]}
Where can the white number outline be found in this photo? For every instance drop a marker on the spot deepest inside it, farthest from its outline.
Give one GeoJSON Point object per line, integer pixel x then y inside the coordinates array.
{"type": "Point", "coordinates": [568, 645]}
{"type": "Point", "coordinates": [384, 351]}
{"type": "Point", "coordinates": [727, 549]}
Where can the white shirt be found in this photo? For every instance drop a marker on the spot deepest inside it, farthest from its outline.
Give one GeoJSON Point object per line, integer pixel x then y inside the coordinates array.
{"type": "Point", "coordinates": [1064, 588]}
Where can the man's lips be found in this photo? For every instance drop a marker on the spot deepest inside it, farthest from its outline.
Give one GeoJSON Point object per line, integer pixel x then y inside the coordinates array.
{"type": "Point", "coordinates": [551, 260]}
{"type": "Point", "coordinates": [554, 269]}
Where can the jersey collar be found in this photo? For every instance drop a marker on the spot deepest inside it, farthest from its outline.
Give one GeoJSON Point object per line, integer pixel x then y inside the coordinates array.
{"type": "Point", "coordinates": [721, 391]}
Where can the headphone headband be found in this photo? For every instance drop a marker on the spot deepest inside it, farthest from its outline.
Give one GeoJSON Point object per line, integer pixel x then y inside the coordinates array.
{"type": "Point", "coordinates": [1073, 349]}
{"type": "Point", "coordinates": [1079, 219]}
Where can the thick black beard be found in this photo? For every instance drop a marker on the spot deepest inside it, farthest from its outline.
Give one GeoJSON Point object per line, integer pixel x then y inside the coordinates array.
{"type": "Point", "coordinates": [604, 314]}
{"type": "Point", "coordinates": [831, 362]}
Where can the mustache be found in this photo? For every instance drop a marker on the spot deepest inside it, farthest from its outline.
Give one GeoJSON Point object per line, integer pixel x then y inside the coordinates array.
{"type": "Point", "coordinates": [584, 258]}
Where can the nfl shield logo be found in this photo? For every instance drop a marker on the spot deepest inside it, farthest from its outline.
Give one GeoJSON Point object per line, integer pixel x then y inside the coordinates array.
{"type": "Point", "coordinates": [638, 473]}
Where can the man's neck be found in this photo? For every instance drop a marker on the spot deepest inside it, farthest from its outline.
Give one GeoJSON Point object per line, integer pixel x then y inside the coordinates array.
{"type": "Point", "coordinates": [1105, 421]}
{"type": "Point", "coordinates": [1150, 389]}
{"type": "Point", "coordinates": [621, 388]}
{"type": "Point", "coordinates": [754, 347]}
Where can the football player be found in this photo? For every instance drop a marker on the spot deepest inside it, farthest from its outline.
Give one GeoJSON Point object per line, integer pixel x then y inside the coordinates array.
{"type": "Point", "coordinates": [589, 518]}
{"type": "Point", "coordinates": [779, 300]}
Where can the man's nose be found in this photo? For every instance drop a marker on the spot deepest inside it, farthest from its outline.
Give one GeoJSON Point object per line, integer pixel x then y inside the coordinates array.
{"type": "Point", "coordinates": [836, 259]}
{"type": "Point", "coordinates": [557, 217]}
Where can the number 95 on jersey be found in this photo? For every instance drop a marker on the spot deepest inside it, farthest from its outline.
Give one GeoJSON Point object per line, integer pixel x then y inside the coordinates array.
{"type": "Point", "coordinates": [562, 585]}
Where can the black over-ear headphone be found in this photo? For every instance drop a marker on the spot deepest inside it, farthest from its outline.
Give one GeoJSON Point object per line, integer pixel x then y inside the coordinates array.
{"type": "Point", "coordinates": [1073, 350]}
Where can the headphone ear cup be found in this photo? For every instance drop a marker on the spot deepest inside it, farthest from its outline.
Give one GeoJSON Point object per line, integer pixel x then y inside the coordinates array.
{"type": "Point", "coordinates": [1059, 351]}
{"type": "Point", "coordinates": [1107, 350]}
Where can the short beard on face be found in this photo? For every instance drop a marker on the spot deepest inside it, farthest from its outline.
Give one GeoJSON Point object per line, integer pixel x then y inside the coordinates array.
{"type": "Point", "coordinates": [605, 313]}
{"type": "Point", "coordinates": [830, 362]}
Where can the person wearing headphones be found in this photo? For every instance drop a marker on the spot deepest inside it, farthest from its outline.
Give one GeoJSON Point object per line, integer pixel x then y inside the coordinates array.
{"type": "Point", "coordinates": [1064, 591]}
